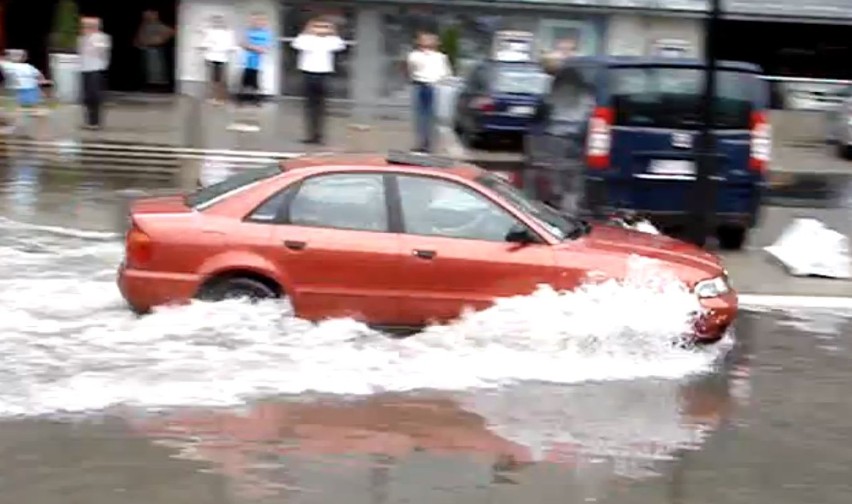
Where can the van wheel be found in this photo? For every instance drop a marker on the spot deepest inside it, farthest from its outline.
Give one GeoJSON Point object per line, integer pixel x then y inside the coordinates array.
{"type": "Point", "coordinates": [731, 237]}
{"type": "Point", "coordinates": [237, 288]}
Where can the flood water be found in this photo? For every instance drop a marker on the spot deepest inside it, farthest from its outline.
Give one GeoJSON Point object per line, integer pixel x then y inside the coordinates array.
{"type": "Point", "coordinates": [550, 398]}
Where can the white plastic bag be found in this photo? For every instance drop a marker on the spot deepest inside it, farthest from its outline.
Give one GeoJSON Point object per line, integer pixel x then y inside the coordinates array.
{"type": "Point", "coordinates": [808, 248]}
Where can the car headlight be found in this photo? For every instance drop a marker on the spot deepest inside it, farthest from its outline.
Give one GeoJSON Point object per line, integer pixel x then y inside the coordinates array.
{"type": "Point", "coordinates": [714, 287]}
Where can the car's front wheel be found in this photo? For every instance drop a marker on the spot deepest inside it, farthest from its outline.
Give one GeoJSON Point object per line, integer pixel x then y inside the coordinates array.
{"type": "Point", "coordinates": [237, 288]}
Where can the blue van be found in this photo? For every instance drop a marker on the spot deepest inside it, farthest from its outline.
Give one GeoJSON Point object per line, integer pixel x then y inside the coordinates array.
{"type": "Point", "coordinates": [640, 130]}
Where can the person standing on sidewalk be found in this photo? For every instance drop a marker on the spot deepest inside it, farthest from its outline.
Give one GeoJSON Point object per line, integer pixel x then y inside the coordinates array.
{"type": "Point", "coordinates": [152, 37]}
{"type": "Point", "coordinates": [427, 66]}
{"type": "Point", "coordinates": [218, 45]}
{"type": "Point", "coordinates": [257, 42]}
{"type": "Point", "coordinates": [317, 45]}
{"type": "Point", "coordinates": [94, 48]}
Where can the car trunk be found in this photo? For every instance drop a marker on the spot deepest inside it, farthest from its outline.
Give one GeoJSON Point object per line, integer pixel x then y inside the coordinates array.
{"type": "Point", "coordinates": [656, 128]}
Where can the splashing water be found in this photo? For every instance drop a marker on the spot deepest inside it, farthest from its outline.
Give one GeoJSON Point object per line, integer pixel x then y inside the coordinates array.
{"type": "Point", "coordinates": [69, 344]}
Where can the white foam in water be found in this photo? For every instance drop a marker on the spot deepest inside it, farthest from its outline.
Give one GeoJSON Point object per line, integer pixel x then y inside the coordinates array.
{"type": "Point", "coordinates": [69, 344]}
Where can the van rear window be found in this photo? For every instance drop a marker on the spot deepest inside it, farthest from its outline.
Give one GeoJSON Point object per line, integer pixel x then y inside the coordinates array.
{"type": "Point", "coordinates": [670, 97]}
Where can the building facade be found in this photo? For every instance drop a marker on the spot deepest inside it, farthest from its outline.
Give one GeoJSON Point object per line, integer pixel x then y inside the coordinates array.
{"type": "Point", "coordinates": [379, 33]}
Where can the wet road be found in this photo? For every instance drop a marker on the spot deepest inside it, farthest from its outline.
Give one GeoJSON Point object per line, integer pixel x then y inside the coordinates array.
{"type": "Point", "coordinates": [231, 404]}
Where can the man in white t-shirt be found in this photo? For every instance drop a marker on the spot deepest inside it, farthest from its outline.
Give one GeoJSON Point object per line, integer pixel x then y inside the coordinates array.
{"type": "Point", "coordinates": [218, 44]}
{"type": "Point", "coordinates": [317, 45]}
{"type": "Point", "coordinates": [427, 66]}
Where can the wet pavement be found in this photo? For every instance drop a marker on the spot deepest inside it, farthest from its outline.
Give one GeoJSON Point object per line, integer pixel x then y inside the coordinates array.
{"type": "Point", "coordinates": [547, 399]}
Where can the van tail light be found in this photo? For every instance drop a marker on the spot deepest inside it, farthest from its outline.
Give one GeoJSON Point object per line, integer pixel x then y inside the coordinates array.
{"type": "Point", "coordinates": [599, 139]}
{"type": "Point", "coordinates": [483, 104]}
{"type": "Point", "coordinates": [761, 142]}
{"type": "Point", "coordinates": [138, 247]}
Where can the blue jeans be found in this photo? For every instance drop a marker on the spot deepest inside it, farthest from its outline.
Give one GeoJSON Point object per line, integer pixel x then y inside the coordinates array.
{"type": "Point", "coordinates": [424, 114]}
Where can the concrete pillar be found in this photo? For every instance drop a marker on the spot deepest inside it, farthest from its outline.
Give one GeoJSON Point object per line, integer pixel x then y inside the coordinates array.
{"type": "Point", "coordinates": [193, 138]}
{"type": "Point", "coordinates": [366, 72]}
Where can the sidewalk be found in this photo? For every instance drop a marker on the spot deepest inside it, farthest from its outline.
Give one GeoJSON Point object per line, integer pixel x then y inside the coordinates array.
{"type": "Point", "coordinates": [166, 128]}
{"type": "Point", "coordinates": [175, 124]}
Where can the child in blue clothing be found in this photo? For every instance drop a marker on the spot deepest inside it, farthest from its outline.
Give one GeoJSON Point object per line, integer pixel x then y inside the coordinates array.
{"type": "Point", "coordinates": [25, 81]}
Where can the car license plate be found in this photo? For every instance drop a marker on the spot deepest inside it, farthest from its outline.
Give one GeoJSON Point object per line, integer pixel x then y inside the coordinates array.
{"type": "Point", "coordinates": [521, 110]}
{"type": "Point", "coordinates": [671, 167]}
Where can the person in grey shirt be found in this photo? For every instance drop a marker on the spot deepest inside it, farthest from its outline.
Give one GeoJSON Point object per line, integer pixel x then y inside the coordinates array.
{"type": "Point", "coordinates": [152, 37]}
{"type": "Point", "coordinates": [94, 48]}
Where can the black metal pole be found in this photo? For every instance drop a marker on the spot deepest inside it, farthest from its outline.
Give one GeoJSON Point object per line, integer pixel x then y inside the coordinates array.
{"type": "Point", "coordinates": [704, 198]}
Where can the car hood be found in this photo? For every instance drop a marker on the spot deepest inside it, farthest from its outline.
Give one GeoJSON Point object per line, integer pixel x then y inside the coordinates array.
{"type": "Point", "coordinates": [691, 262]}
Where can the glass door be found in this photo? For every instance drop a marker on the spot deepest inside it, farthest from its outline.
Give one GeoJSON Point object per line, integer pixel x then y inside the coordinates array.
{"type": "Point", "coordinates": [295, 17]}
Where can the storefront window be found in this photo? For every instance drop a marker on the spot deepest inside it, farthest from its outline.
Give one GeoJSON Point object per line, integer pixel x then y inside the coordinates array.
{"type": "Point", "coordinates": [295, 19]}
{"type": "Point", "coordinates": [552, 32]}
{"type": "Point", "coordinates": [475, 31]}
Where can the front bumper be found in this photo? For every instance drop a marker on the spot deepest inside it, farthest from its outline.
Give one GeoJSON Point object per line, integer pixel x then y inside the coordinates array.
{"type": "Point", "coordinates": [144, 290]}
{"type": "Point", "coordinates": [719, 314]}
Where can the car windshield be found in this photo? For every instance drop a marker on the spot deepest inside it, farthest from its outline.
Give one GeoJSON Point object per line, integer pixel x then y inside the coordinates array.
{"type": "Point", "coordinates": [670, 97]}
{"type": "Point", "coordinates": [232, 183]}
{"type": "Point", "coordinates": [560, 225]}
{"type": "Point", "coordinates": [520, 79]}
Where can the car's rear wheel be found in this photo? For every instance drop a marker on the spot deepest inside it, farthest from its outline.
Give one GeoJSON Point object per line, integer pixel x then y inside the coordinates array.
{"type": "Point", "coordinates": [731, 237]}
{"type": "Point", "coordinates": [238, 288]}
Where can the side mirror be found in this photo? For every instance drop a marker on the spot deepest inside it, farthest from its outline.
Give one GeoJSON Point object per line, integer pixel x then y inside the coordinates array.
{"type": "Point", "coordinates": [520, 235]}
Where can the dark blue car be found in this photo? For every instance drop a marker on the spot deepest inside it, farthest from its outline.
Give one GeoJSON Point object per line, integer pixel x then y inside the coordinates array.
{"type": "Point", "coordinates": [498, 100]}
{"type": "Point", "coordinates": [640, 129]}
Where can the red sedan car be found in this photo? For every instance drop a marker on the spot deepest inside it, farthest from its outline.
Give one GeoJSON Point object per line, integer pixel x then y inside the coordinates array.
{"type": "Point", "coordinates": [399, 242]}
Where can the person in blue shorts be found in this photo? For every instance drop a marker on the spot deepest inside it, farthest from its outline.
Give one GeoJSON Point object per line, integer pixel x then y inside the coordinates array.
{"type": "Point", "coordinates": [257, 42]}
{"type": "Point", "coordinates": [25, 80]}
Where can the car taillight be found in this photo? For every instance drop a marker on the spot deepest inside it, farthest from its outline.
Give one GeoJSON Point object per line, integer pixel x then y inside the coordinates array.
{"type": "Point", "coordinates": [483, 104]}
{"type": "Point", "coordinates": [599, 139]}
{"type": "Point", "coordinates": [761, 142]}
{"type": "Point", "coordinates": [139, 247]}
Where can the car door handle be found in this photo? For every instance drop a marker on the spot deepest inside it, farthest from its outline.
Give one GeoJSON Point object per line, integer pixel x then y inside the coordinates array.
{"type": "Point", "coordinates": [424, 254]}
{"type": "Point", "coordinates": [295, 245]}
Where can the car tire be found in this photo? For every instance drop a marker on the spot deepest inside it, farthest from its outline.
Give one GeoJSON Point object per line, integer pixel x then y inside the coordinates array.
{"type": "Point", "coordinates": [844, 151]}
{"type": "Point", "coordinates": [731, 237]}
{"type": "Point", "coordinates": [238, 288]}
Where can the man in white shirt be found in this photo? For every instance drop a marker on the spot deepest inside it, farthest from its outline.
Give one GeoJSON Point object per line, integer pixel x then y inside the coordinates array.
{"type": "Point", "coordinates": [427, 66]}
{"type": "Point", "coordinates": [218, 44]}
{"type": "Point", "coordinates": [94, 47]}
{"type": "Point", "coordinates": [317, 45]}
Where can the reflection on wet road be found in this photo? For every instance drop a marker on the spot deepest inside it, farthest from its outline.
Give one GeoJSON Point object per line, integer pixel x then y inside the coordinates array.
{"type": "Point", "coordinates": [232, 404]}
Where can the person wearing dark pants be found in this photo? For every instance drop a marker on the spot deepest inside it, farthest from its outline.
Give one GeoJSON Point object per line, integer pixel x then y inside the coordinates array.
{"type": "Point", "coordinates": [94, 48]}
{"type": "Point", "coordinates": [317, 45]}
{"type": "Point", "coordinates": [427, 66]}
{"type": "Point", "coordinates": [258, 41]}
{"type": "Point", "coordinates": [315, 92]}
{"type": "Point", "coordinates": [93, 87]}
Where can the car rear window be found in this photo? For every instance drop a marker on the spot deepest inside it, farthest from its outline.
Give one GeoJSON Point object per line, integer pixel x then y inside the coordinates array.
{"type": "Point", "coordinates": [670, 97]}
{"type": "Point", "coordinates": [232, 183]}
{"type": "Point", "coordinates": [520, 79]}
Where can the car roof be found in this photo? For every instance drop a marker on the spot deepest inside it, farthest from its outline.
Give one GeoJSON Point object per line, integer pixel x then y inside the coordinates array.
{"type": "Point", "coordinates": [617, 61]}
{"type": "Point", "coordinates": [394, 162]}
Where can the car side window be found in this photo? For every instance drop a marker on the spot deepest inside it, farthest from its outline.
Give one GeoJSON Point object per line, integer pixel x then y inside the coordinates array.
{"type": "Point", "coordinates": [353, 201]}
{"type": "Point", "coordinates": [271, 209]}
{"type": "Point", "coordinates": [433, 207]}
